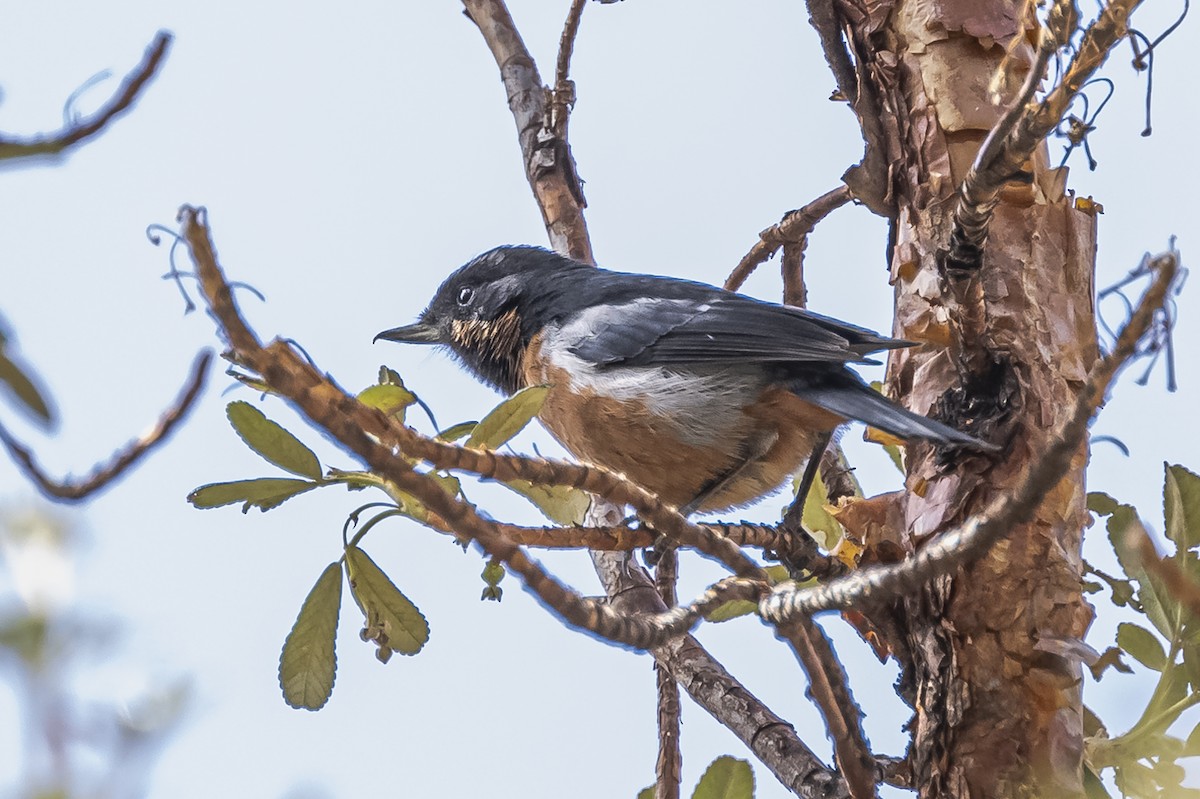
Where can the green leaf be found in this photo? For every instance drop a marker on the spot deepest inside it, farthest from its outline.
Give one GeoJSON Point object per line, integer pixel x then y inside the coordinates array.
{"type": "Point", "coordinates": [646, 793]}
{"type": "Point", "coordinates": [389, 377]}
{"type": "Point", "coordinates": [392, 400]}
{"type": "Point", "coordinates": [271, 441]}
{"type": "Point", "coordinates": [726, 778]}
{"type": "Point", "coordinates": [817, 519]}
{"type": "Point", "coordinates": [22, 386]}
{"type": "Point", "coordinates": [1181, 506]}
{"type": "Point", "coordinates": [263, 493]}
{"type": "Point", "coordinates": [508, 418]}
{"type": "Point", "coordinates": [733, 609]}
{"type": "Point", "coordinates": [1093, 787]}
{"type": "Point", "coordinates": [1101, 504]}
{"type": "Point", "coordinates": [560, 504]}
{"type": "Point", "coordinates": [455, 432]}
{"type": "Point", "coordinates": [1191, 747]}
{"type": "Point", "coordinates": [392, 620]}
{"type": "Point", "coordinates": [1142, 645]}
{"type": "Point", "coordinates": [308, 663]}
{"type": "Point", "coordinates": [1155, 601]}
{"type": "Point", "coordinates": [1191, 666]}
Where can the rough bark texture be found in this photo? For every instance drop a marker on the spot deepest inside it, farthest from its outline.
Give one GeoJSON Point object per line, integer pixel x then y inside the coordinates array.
{"type": "Point", "coordinates": [997, 711]}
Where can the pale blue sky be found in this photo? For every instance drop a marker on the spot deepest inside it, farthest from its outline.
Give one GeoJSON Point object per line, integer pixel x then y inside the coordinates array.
{"type": "Point", "coordinates": [349, 160]}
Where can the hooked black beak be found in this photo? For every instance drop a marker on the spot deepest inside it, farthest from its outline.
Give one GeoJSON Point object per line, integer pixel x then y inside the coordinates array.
{"type": "Point", "coordinates": [416, 333]}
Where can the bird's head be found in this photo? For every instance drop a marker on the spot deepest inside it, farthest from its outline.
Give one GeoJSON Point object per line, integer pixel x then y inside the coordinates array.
{"type": "Point", "coordinates": [488, 311]}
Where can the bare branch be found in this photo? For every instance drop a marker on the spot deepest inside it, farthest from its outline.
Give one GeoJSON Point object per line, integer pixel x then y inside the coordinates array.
{"type": "Point", "coordinates": [70, 490]}
{"type": "Point", "coordinates": [548, 162]}
{"type": "Point", "coordinates": [59, 141]}
{"type": "Point", "coordinates": [1014, 139]}
{"type": "Point", "coordinates": [830, 690]}
{"type": "Point", "coordinates": [564, 87]}
{"type": "Point", "coordinates": [772, 739]}
{"type": "Point", "coordinates": [793, 228]}
{"type": "Point", "coordinates": [976, 536]}
{"type": "Point", "coordinates": [823, 16]}
{"type": "Point", "coordinates": [668, 769]}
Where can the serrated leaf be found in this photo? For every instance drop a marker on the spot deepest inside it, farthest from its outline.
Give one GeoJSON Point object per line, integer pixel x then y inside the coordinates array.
{"type": "Point", "coordinates": [308, 662]}
{"type": "Point", "coordinates": [271, 441]}
{"type": "Point", "coordinates": [392, 400]}
{"type": "Point", "coordinates": [1181, 506]}
{"type": "Point", "coordinates": [1093, 787]}
{"type": "Point", "coordinates": [1101, 504]}
{"type": "Point", "coordinates": [726, 778]}
{"type": "Point", "coordinates": [1156, 603]}
{"type": "Point", "coordinates": [455, 432]}
{"type": "Point", "coordinates": [817, 519]}
{"type": "Point", "coordinates": [508, 418]}
{"type": "Point", "coordinates": [560, 504]}
{"type": "Point", "coordinates": [21, 385]}
{"type": "Point", "coordinates": [263, 493]}
{"type": "Point", "coordinates": [1191, 747]}
{"type": "Point", "coordinates": [392, 620]}
{"type": "Point", "coordinates": [733, 609]}
{"type": "Point", "coordinates": [1142, 645]}
{"type": "Point", "coordinates": [1191, 666]}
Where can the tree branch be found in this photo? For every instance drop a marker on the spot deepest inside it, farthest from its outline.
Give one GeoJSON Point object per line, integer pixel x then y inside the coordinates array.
{"type": "Point", "coordinates": [823, 16]}
{"type": "Point", "coordinates": [772, 739]}
{"type": "Point", "coordinates": [830, 690]}
{"type": "Point", "coordinates": [976, 536]}
{"type": "Point", "coordinates": [70, 490]}
{"type": "Point", "coordinates": [793, 228]}
{"type": "Point", "coordinates": [548, 161]}
{"type": "Point", "coordinates": [1015, 137]}
{"type": "Point", "coordinates": [668, 769]}
{"type": "Point", "coordinates": [59, 141]}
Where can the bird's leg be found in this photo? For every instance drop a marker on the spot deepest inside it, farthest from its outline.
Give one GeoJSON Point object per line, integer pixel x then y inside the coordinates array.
{"type": "Point", "coordinates": [792, 520]}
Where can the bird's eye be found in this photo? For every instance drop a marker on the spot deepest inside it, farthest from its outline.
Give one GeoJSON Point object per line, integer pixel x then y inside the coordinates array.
{"type": "Point", "coordinates": [465, 295]}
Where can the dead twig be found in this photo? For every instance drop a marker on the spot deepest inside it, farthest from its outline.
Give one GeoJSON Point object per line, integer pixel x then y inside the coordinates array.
{"type": "Point", "coordinates": [793, 228]}
{"type": "Point", "coordinates": [548, 162]}
{"type": "Point", "coordinates": [71, 134]}
{"type": "Point", "coordinates": [72, 490]}
{"type": "Point", "coordinates": [564, 87]}
{"type": "Point", "coordinates": [975, 537]}
{"type": "Point", "coordinates": [668, 768]}
{"type": "Point", "coordinates": [1012, 143]}
{"type": "Point", "coordinates": [830, 691]}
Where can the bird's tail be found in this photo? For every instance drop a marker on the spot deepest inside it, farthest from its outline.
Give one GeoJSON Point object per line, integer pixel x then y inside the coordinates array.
{"type": "Point", "coordinates": [854, 399]}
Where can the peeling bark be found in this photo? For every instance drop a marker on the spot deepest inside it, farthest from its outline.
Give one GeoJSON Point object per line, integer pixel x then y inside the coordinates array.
{"type": "Point", "coordinates": [995, 713]}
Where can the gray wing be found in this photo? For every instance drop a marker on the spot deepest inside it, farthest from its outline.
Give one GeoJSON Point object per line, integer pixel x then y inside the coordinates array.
{"type": "Point", "coordinates": [725, 328]}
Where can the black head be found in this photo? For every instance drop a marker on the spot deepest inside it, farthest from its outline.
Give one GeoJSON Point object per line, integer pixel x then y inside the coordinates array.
{"type": "Point", "coordinates": [488, 311]}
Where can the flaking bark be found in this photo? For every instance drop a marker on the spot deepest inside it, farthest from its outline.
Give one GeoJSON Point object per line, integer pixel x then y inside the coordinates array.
{"type": "Point", "coordinates": [995, 715]}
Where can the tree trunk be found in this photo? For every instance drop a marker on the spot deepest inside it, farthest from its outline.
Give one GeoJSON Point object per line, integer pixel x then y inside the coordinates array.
{"type": "Point", "coordinates": [986, 653]}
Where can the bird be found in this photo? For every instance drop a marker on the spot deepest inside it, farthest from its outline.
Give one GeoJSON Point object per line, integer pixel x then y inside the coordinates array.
{"type": "Point", "coordinates": [707, 398]}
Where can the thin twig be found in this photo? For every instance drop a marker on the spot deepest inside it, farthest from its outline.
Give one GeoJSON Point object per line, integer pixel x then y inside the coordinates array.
{"type": "Point", "coordinates": [564, 87]}
{"type": "Point", "coordinates": [794, 227]}
{"type": "Point", "coordinates": [74, 490]}
{"type": "Point", "coordinates": [548, 162]}
{"type": "Point", "coordinates": [668, 769]}
{"type": "Point", "coordinates": [60, 140]}
{"type": "Point", "coordinates": [769, 737]}
{"type": "Point", "coordinates": [1018, 133]}
{"type": "Point", "coordinates": [823, 16]}
{"type": "Point", "coordinates": [829, 689]}
{"type": "Point", "coordinates": [975, 537]}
